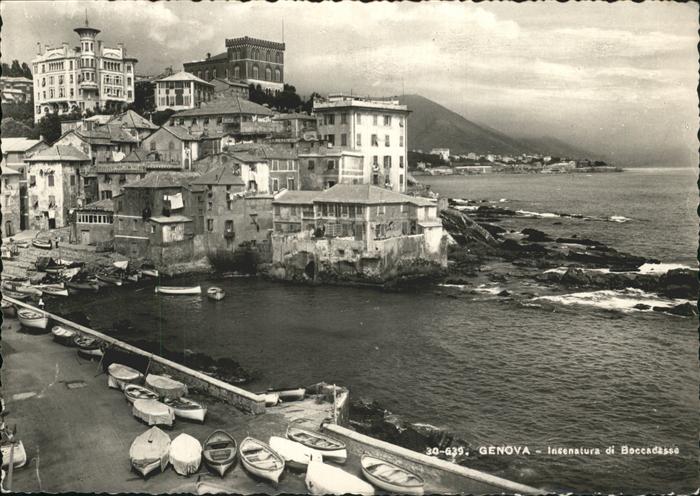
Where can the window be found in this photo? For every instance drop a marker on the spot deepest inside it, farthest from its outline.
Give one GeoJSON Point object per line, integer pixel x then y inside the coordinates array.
{"type": "Point", "coordinates": [401, 140]}
{"type": "Point", "coordinates": [374, 120]}
{"type": "Point", "coordinates": [401, 180]}
{"type": "Point", "coordinates": [375, 140]}
{"type": "Point", "coordinates": [401, 161]}
{"type": "Point", "coordinates": [312, 165]}
{"type": "Point", "coordinates": [359, 118]}
{"type": "Point", "coordinates": [135, 225]}
{"type": "Point", "coordinates": [50, 179]}
{"type": "Point", "coordinates": [72, 180]}
{"type": "Point", "coordinates": [330, 138]}
{"type": "Point", "coordinates": [387, 161]}
{"type": "Point", "coordinates": [329, 119]}
{"type": "Point", "coordinates": [236, 72]}
{"type": "Point", "coordinates": [228, 226]}
{"type": "Point", "coordinates": [52, 201]}
{"type": "Point", "coordinates": [255, 72]}
{"type": "Point", "coordinates": [331, 164]}
{"type": "Point", "coordinates": [213, 73]}
{"type": "Point", "coordinates": [343, 139]}
{"type": "Point", "coordinates": [387, 120]}
{"type": "Point", "coordinates": [387, 141]}
{"type": "Point", "coordinates": [277, 210]}
{"type": "Point", "coordinates": [153, 146]}
{"type": "Point", "coordinates": [210, 224]}
{"type": "Point", "coordinates": [278, 75]}
{"type": "Point", "coordinates": [358, 142]}
{"type": "Point", "coordinates": [375, 160]}
{"type": "Point", "coordinates": [344, 118]}
{"type": "Point", "coordinates": [268, 74]}
{"type": "Point", "coordinates": [275, 184]}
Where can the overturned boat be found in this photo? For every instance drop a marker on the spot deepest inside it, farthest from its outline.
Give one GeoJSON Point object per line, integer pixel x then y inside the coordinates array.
{"type": "Point", "coordinates": [150, 451]}
{"type": "Point", "coordinates": [185, 454]}
{"type": "Point", "coordinates": [322, 478]}
{"type": "Point", "coordinates": [120, 375]}
{"type": "Point", "coordinates": [295, 455]}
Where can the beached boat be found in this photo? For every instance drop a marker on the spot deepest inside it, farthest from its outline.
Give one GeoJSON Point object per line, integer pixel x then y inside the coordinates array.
{"type": "Point", "coordinates": [322, 478]}
{"type": "Point", "coordinates": [295, 455]}
{"type": "Point", "coordinates": [8, 310]}
{"type": "Point", "coordinates": [43, 244]}
{"type": "Point", "coordinates": [63, 335]}
{"type": "Point", "coordinates": [53, 289]}
{"type": "Point", "coordinates": [120, 375]}
{"type": "Point", "coordinates": [149, 272]}
{"type": "Point", "coordinates": [260, 460]}
{"type": "Point", "coordinates": [33, 319]}
{"type": "Point", "coordinates": [88, 347]}
{"type": "Point", "coordinates": [150, 451]}
{"type": "Point", "coordinates": [187, 408]}
{"type": "Point", "coordinates": [83, 285]}
{"type": "Point", "coordinates": [271, 399]}
{"type": "Point", "coordinates": [19, 454]}
{"type": "Point", "coordinates": [285, 395]}
{"type": "Point", "coordinates": [153, 412]}
{"type": "Point", "coordinates": [22, 244]}
{"type": "Point", "coordinates": [219, 452]}
{"type": "Point", "coordinates": [215, 293]}
{"type": "Point", "coordinates": [109, 279]}
{"type": "Point", "coordinates": [331, 449]}
{"type": "Point", "coordinates": [135, 392]}
{"type": "Point", "coordinates": [166, 387]}
{"type": "Point", "coordinates": [179, 290]}
{"type": "Point", "coordinates": [205, 487]}
{"type": "Point", "coordinates": [11, 293]}
{"type": "Point", "coordinates": [390, 477]}
{"type": "Point", "coordinates": [21, 288]}
{"type": "Point", "coordinates": [185, 454]}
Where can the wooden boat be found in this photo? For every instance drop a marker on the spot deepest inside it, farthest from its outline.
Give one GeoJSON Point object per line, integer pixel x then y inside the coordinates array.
{"type": "Point", "coordinates": [150, 451]}
{"type": "Point", "coordinates": [185, 454]}
{"type": "Point", "coordinates": [8, 310]}
{"type": "Point", "coordinates": [83, 285]}
{"type": "Point", "coordinates": [135, 392]}
{"type": "Point", "coordinates": [285, 395]}
{"type": "Point", "coordinates": [219, 452]}
{"type": "Point", "coordinates": [108, 279]}
{"type": "Point", "coordinates": [120, 375]}
{"type": "Point", "coordinates": [19, 454]}
{"type": "Point", "coordinates": [390, 477]}
{"type": "Point", "coordinates": [88, 347]}
{"type": "Point", "coordinates": [42, 244]}
{"type": "Point", "coordinates": [11, 293]}
{"type": "Point", "coordinates": [330, 448]}
{"type": "Point", "coordinates": [22, 288]}
{"type": "Point", "coordinates": [53, 290]}
{"type": "Point", "coordinates": [295, 455]}
{"type": "Point", "coordinates": [260, 460]}
{"type": "Point", "coordinates": [149, 272]}
{"type": "Point", "coordinates": [153, 412]}
{"type": "Point", "coordinates": [22, 244]}
{"type": "Point", "coordinates": [33, 319]}
{"type": "Point", "coordinates": [215, 293]}
{"type": "Point", "coordinates": [322, 478]}
{"type": "Point", "coordinates": [187, 408]}
{"type": "Point", "coordinates": [63, 335]}
{"type": "Point", "coordinates": [179, 290]}
{"type": "Point", "coordinates": [166, 387]}
{"type": "Point", "coordinates": [271, 399]}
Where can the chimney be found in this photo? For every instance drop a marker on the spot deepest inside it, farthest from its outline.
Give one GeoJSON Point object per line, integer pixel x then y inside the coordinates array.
{"type": "Point", "coordinates": [208, 55]}
{"type": "Point", "coordinates": [46, 48]}
{"type": "Point", "coordinates": [121, 47]}
{"type": "Point", "coordinates": [38, 48]}
{"type": "Point", "coordinates": [65, 48]}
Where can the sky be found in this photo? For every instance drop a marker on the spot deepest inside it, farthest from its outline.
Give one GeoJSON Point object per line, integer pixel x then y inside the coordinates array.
{"type": "Point", "coordinates": [618, 79]}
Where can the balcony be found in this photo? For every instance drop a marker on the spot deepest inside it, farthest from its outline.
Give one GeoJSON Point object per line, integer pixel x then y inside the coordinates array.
{"type": "Point", "coordinates": [229, 234]}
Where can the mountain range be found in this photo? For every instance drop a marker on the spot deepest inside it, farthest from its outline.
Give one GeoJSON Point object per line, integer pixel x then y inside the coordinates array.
{"type": "Point", "coordinates": [431, 125]}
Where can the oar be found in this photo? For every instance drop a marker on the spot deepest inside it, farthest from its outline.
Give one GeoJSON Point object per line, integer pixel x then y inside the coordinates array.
{"type": "Point", "coordinates": [11, 437]}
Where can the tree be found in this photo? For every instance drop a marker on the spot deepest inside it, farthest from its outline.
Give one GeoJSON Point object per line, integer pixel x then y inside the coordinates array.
{"type": "Point", "coordinates": [49, 127]}
{"type": "Point", "coordinates": [16, 69]}
{"type": "Point", "coordinates": [162, 116]}
{"type": "Point", "coordinates": [26, 71]}
{"type": "Point", "coordinates": [11, 128]}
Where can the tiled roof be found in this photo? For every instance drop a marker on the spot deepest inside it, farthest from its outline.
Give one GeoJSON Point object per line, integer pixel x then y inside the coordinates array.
{"type": "Point", "coordinates": [8, 171]}
{"type": "Point", "coordinates": [100, 119]}
{"type": "Point", "coordinates": [135, 155]}
{"type": "Point", "coordinates": [17, 144]}
{"type": "Point", "coordinates": [367, 194]}
{"type": "Point", "coordinates": [106, 205]}
{"type": "Point", "coordinates": [59, 153]}
{"type": "Point", "coordinates": [105, 135]}
{"type": "Point", "coordinates": [227, 105]}
{"type": "Point", "coordinates": [297, 197]}
{"type": "Point", "coordinates": [180, 132]}
{"type": "Point", "coordinates": [164, 179]}
{"type": "Point", "coordinates": [120, 168]}
{"type": "Point", "coordinates": [184, 76]}
{"type": "Point", "coordinates": [132, 120]}
{"type": "Point", "coordinates": [221, 175]}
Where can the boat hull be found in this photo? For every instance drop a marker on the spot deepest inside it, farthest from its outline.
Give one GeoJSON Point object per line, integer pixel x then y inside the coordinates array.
{"type": "Point", "coordinates": [83, 286]}
{"type": "Point", "coordinates": [385, 485]}
{"type": "Point", "coordinates": [40, 322]}
{"type": "Point", "coordinates": [15, 294]}
{"type": "Point", "coordinates": [195, 412]}
{"type": "Point", "coordinates": [109, 280]}
{"type": "Point", "coordinates": [272, 475]}
{"type": "Point", "coordinates": [143, 393]}
{"type": "Point", "coordinates": [54, 291]}
{"type": "Point", "coordinates": [325, 479]}
{"type": "Point", "coordinates": [222, 444]}
{"type": "Point", "coordinates": [145, 469]}
{"type": "Point", "coordinates": [170, 290]}
{"type": "Point", "coordinates": [43, 245]}
{"type": "Point", "coordinates": [149, 272]}
{"type": "Point", "coordinates": [19, 455]}
{"type": "Point", "coordinates": [335, 452]}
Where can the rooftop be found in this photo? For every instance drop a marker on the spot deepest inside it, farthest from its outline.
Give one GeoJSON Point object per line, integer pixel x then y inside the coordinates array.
{"type": "Point", "coordinates": [136, 155]}
{"type": "Point", "coordinates": [106, 205]}
{"type": "Point", "coordinates": [8, 171]}
{"type": "Point", "coordinates": [367, 194]}
{"type": "Point", "coordinates": [164, 179]}
{"type": "Point", "coordinates": [345, 101]}
{"type": "Point", "coordinates": [59, 153]}
{"type": "Point", "coordinates": [296, 197]}
{"type": "Point", "coordinates": [228, 105]}
{"type": "Point", "coordinates": [221, 175]}
{"type": "Point", "coordinates": [18, 144]}
{"type": "Point", "coordinates": [104, 135]}
{"type": "Point", "coordinates": [120, 168]}
{"type": "Point", "coordinates": [131, 119]}
{"type": "Point", "coordinates": [294, 115]}
{"type": "Point", "coordinates": [184, 76]}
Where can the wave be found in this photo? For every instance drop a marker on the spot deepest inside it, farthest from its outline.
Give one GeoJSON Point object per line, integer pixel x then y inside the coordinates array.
{"type": "Point", "coordinates": [625, 300]}
{"type": "Point", "coordinates": [647, 268]}
{"type": "Point", "coordinates": [481, 288]}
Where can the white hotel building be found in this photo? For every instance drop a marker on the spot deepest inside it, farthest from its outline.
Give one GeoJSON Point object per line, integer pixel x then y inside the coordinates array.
{"type": "Point", "coordinates": [376, 128]}
{"type": "Point", "coordinates": [83, 77]}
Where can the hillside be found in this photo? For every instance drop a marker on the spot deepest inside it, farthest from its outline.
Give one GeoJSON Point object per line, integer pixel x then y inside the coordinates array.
{"type": "Point", "coordinates": [431, 125]}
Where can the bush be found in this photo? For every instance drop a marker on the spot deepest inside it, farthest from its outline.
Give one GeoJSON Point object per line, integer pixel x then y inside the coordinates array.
{"type": "Point", "coordinates": [244, 260]}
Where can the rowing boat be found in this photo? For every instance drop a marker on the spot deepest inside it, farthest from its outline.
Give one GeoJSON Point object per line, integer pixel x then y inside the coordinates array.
{"type": "Point", "coordinates": [150, 451]}
{"type": "Point", "coordinates": [261, 460]}
{"type": "Point", "coordinates": [390, 477]}
{"type": "Point", "coordinates": [11, 293]}
{"type": "Point", "coordinates": [135, 392]}
{"type": "Point", "coordinates": [185, 454]}
{"type": "Point", "coordinates": [330, 448]}
{"type": "Point", "coordinates": [322, 478]}
{"type": "Point", "coordinates": [187, 408]}
{"type": "Point", "coordinates": [8, 310]}
{"type": "Point", "coordinates": [285, 395]}
{"type": "Point", "coordinates": [153, 412]}
{"type": "Point", "coordinates": [166, 387]}
{"type": "Point", "coordinates": [83, 286]}
{"type": "Point", "coordinates": [88, 347]}
{"type": "Point", "coordinates": [295, 455]}
{"type": "Point", "coordinates": [179, 290]}
{"type": "Point", "coordinates": [44, 245]}
{"type": "Point", "coordinates": [120, 375]}
{"type": "Point", "coordinates": [19, 454]}
{"type": "Point", "coordinates": [219, 451]}
{"type": "Point", "coordinates": [215, 293]}
{"type": "Point", "coordinates": [104, 278]}
{"type": "Point", "coordinates": [149, 272]}
{"type": "Point", "coordinates": [53, 290]}
{"type": "Point", "coordinates": [63, 335]}
{"type": "Point", "coordinates": [33, 319]}
{"type": "Point", "coordinates": [21, 288]}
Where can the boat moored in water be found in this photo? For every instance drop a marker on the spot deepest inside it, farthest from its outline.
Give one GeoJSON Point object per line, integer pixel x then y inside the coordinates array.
{"type": "Point", "coordinates": [219, 451]}
{"type": "Point", "coordinates": [83, 285]}
{"type": "Point", "coordinates": [32, 318]}
{"type": "Point", "coordinates": [215, 293]}
{"type": "Point", "coordinates": [330, 448]}
{"type": "Point", "coordinates": [261, 460]}
{"type": "Point", "coordinates": [390, 477]}
{"type": "Point", "coordinates": [53, 289]}
{"type": "Point", "coordinates": [179, 290]}
{"type": "Point", "coordinates": [109, 279]}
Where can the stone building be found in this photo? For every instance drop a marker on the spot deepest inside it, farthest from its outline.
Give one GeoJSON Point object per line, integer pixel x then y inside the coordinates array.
{"type": "Point", "coordinates": [15, 89]}
{"type": "Point", "coordinates": [14, 153]}
{"type": "Point", "coordinates": [82, 78]}
{"type": "Point", "coordinates": [222, 116]}
{"type": "Point", "coordinates": [106, 143]}
{"type": "Point", "coordinates": [11, 211]}
{"type": "Point", "coordinates": [134, 124]}
{"type": "Point", "coordinates": [180, 145]}
{"type": "Point", "coordinates": [182, 91]}
{"type": "Point", "coordinates": [54, 185]}
{"type": "Point", "coordinates": [375, 128]}
{"type": "Point", "coordinates": [224, 88]}
{"type": "Point", "coordinates": [250, 60]}
{"type": "Point", "coordinates": [94, 224]}
{"type": "Point", "coordinates": [323, 167]}
{"type": "Point", "coordinates": [253, 169]}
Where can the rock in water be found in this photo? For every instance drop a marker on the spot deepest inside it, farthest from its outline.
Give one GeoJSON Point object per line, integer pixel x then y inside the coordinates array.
{"type": "Point", "coordinates": [684, 309]}
{"type": "Point", "coordinates": [464, 230]}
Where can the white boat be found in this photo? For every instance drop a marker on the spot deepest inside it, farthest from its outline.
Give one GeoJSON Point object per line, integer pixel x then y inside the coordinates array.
{"type": "Point", "coordinates": [166, 387]}
{"type": "Point", "coordinates": [295, 455]}
{"type": "Point", "coordinates": [285, 395]}
{"type": "Point", "coordinates": [331, 449]}
{"type": "Point", "coordinates": [322, 478]}
{"type": "Point", "coordinates": [261, 460]}
{"type": "Point", "coordinates": [390, 477]}
{"type": "Point", "coordinates": [150, 451]}
{"type": "Point", "coordinates": [19, 455]}
{"type": "Point", "coordinates": [135, 392]}
{"type": "Point", "coordinates": [119, 375]}
{"type": "Point", "coordinates": [63, 335]}
{"type": "Point", "coordinates": [185, 454]}
{"type": "Point", "coordinates": [149, 272]}
{"type": "Point", "coordinates": [153, 412]}
{"type": "Point", "coordinates": [32, 318]}
{"type": "Point", "coordinates": [187, 408]}
{"type": "Point", "coordinates": [53, 289]}
{"type": "Point", "coordinates": [179, 290]}
{"type": "Point", "coordinates": [215, 293]}
{"type": "Point", "coordinates": [219, 451]}
{"type": "Point", "coordinates": [271, 399]}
